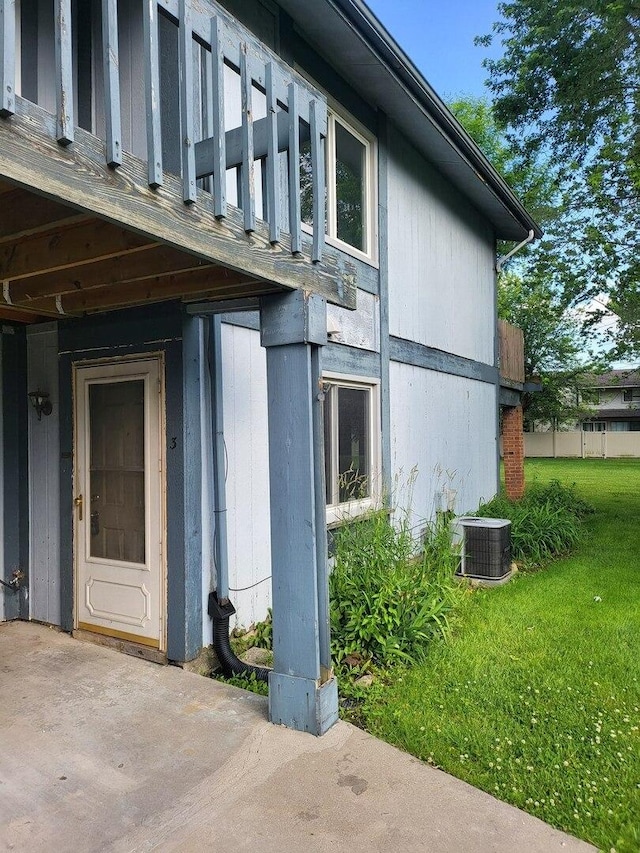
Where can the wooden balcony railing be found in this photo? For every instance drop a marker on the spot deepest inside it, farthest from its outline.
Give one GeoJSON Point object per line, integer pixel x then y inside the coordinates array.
{"type": "Point", "coordinates": [511, 352]}
{"type": "Point", "coordinates": [220, 115]}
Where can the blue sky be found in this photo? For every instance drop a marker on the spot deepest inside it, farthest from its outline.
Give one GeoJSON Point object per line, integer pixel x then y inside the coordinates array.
{"type": "Point", "coordinates": [438, 36]}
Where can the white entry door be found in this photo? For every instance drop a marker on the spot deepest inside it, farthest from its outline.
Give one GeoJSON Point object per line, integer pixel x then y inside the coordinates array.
{"type": "Point", "coordinates": [118, 501]}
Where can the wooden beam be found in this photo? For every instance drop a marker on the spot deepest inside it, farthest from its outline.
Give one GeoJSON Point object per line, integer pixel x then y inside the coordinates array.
{"type": "Point", "coordinates": [68, 247]}
{"type": "Point", "coordinates": [23, 214]}
{"type": "Point", "coordinates": [209, 280]}
{"type": "Point", "coordinates": [30, 156]}
{"type": "Point", "coordinates": [273, 130]}
{"type": "Point", "coordinates": [19, 316]}
{"type": "Point", "coordinates": [121, 268]}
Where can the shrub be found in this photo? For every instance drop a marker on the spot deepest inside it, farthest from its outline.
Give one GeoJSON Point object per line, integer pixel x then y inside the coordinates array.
{"type": "Point", "coordinates": [387, 601]}
{"type": "Point", "coordinates": [546, 523]}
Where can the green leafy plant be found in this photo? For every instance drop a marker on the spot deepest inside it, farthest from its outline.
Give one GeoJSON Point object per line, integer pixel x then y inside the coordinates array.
{"type": "Point", "coordinates": [246, 682]}
{"type": "Point", "coordinates": [546, 523]}
{"type": "Point", "coordinates": [389, 598]}
{"type": "Point", "coordinates": [263, 632]}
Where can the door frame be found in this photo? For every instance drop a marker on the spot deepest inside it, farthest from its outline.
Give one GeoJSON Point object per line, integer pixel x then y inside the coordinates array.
{"type": "Point", "coordinates": [77, 368]}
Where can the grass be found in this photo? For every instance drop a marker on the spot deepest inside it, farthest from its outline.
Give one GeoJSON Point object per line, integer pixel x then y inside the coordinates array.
{"type": "Point", "coordinates": [536, 696]}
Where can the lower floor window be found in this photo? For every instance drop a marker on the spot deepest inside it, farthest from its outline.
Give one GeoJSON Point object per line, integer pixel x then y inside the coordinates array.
{"type": "Point", "coordinates": [351, 443]}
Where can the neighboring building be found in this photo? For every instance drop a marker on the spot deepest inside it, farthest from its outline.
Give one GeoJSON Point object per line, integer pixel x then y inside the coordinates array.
{"type": "Point", "coordinates": [195, 380]}
{"type": "Point", "coordinates": [614, 398]}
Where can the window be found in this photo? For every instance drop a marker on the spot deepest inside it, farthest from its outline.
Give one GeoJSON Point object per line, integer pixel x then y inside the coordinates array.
{"type": "Point", "coordinates": [350, 178]}
{"type": "Point", "coordinates": [351, 440]}
{"type": "Point", "coordinates": [631, 395]}
{"type": "Point", "coordinates": [594, 426]}
{"type": "Point", "coordinates": [590, 396]}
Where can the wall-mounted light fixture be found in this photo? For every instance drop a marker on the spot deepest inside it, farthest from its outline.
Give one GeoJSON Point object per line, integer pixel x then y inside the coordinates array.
{"type": "Point", "coordinates": [41, 403]}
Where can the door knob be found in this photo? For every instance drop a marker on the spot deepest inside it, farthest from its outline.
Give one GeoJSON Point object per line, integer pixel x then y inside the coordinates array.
{"type": "Point", "coordinates": [78, 502]}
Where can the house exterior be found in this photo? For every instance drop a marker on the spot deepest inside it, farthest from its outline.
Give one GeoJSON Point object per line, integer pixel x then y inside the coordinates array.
{"type": "Point", "coordinates": [614, 398]}
{"type": "Point", "coordinates": [197, 380]}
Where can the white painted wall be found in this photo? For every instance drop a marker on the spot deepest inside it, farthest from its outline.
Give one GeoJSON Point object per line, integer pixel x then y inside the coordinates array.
{"type": "Point", "coordinates": [443, 432]}
{"type": "Point", "coordinates": [246, 439]}
{"type": "Point", "coordinates": [441, 261]}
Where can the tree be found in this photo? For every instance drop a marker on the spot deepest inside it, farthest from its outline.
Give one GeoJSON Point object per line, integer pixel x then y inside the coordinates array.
{"type": "Point", "coordinates": [553, 353]}
{"type": "Point", "coordinates": [528, 292]}
{"type": "Point", "coordinates": [568, 88]}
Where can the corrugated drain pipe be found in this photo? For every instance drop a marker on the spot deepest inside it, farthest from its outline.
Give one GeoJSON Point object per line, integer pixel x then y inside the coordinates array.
{"type": "Point", "coordinates": [220, 609]}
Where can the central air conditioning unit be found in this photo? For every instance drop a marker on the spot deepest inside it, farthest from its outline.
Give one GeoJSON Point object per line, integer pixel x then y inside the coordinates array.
{"type": "Point", "coordinates": [485, 547]}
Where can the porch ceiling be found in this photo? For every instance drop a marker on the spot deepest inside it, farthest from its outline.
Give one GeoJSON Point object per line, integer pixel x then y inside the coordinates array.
{"type": "Point", "coordinates": [56, 261]}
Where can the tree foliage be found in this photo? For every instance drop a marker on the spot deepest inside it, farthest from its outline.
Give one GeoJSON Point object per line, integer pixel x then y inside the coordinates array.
{"type": "Point", "coordinates": [568, 88]}
{"type": "Point", "coordinates": [553, 353]}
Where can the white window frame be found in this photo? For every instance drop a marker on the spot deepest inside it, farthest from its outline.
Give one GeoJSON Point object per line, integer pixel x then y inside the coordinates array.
{"type": "Point", "coordinates": [370, 229]}
{"type": "Point", "coordinates": [335, 113]}
{"type": "Point", "coordinates": [630, 395]}
{"type": "Point", "coordinates": [340, 512]}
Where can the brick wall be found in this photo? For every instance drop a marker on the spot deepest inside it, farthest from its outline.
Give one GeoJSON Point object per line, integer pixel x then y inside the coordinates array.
{"type": "Point", "coordinates": [513, 452]}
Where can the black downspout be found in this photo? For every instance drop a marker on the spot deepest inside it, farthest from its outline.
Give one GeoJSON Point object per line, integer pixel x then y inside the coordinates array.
{"type": "Point", "coordinates": [229, 661]}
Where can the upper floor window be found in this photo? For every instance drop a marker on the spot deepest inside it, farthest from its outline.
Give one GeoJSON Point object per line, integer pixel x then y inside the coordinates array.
{"type": "Point", "coordinates": [350, 179]}
{"type": "Point", "coordinates": [631, 395]}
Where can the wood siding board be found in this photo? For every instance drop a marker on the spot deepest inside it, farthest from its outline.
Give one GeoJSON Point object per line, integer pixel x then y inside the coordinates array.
{"type": "Point", "coordinates": [441, 259]}
{"type": "Point", "coordinates": [443, 438]}
{"type": "Point", "coordinates": [247, 445]}
{"type": "Point", "coordinates": [79, 174]}
{"type": "Point", "coordinates": [294, 169]}
{"type": "Point", "coordinates": [384, 287]}
{"type": "Point", "coordinates": [64, 72]}
{"type": "Point", "coordinates": [186, 103]}
{"type": "Point", "coordinates": [8, 65]}
{"type": "Point", "coordinates": [349, 360]}
{"type": "Point", "coordinates": [152, 93]}
{"type": "Point", "coordinates": [44, 478]}
{"type": "Point", "coordinates": [248, 165]}
{"type": "Point", "coordinates": [217, 113]}
{"type": "Point", "coordinates": [272, 178]}
{"type": "Point", "coordinates": [318, 112]}
{"type": "Point", "coordinates": [419, 355]}
{"type": "Point", "coordinates": [15, 542]}
{"type": "Point", "coordinates": [111, 62]}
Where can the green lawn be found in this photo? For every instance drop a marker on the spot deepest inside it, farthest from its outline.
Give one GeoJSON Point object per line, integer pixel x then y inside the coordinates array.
{"type": "Point", "coordinates": [536, 696]}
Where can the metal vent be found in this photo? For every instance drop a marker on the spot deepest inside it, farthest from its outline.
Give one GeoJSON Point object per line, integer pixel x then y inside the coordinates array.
{"type": "Point", "coordinates": [486, 547]}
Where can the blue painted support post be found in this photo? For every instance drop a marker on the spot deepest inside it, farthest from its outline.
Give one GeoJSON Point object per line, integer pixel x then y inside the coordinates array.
{"type": "Point", "coordinates": [186, 104]}
{"type": "Point", "coordinates": [64, 72]}
{"type": "Point", "coordinates": [294, 170]}
{"type": "Point", "coordinates": [221, 551]}
{"type": "Point", "coordinates": [318, 112]}
{"type": "Point", "coordinates": [273, 182]}
{"type": "Point", "coordinates": [302, 690]}
{"type": "Point", "coordinates": [111, 82]}
{"type": "Point", "coordinates": [152, 92]}
{"type": "Point", "coordinates": [217, 115]}
{"type": "Point", "coordinates": [8, 65]}
{"type": "Point", "coordinates": [248, 165]}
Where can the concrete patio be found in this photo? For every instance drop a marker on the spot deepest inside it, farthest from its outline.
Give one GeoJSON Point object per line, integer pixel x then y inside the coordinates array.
{"type": "Point", "coordinates": [100, 751]}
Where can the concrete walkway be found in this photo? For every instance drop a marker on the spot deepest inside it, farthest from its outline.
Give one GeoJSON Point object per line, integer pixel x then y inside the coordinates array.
{"type": "Point", "coordinates": [100, 751]}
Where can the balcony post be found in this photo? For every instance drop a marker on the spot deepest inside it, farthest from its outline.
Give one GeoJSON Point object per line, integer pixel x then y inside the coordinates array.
{"type": "Point", "coordinates": [302, 690]}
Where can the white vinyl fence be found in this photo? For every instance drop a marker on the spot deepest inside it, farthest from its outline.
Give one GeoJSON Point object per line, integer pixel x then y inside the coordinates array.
{"type": "Point", "coordinates": [585, 445]}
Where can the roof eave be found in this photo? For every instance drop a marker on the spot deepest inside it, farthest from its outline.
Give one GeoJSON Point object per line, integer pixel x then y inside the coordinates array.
{"type": "Point", "coordinates": [408, 99]}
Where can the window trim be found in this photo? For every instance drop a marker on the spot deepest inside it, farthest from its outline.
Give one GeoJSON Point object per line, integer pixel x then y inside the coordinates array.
{"type": "Point", "coordinates": [337, 513]}
{"type": "Point", "coordinates": [370, 204]}
{"type": "Point", "coordinates": [630, 395]}
{"type": "Point", "coordinates": [336, 112]}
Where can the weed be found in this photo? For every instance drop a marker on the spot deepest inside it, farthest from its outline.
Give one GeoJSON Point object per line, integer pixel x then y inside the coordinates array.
{"type": "Point", "coordinates": [387, 601]}
{"type": "Point", "coordinates": [546, 523]}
